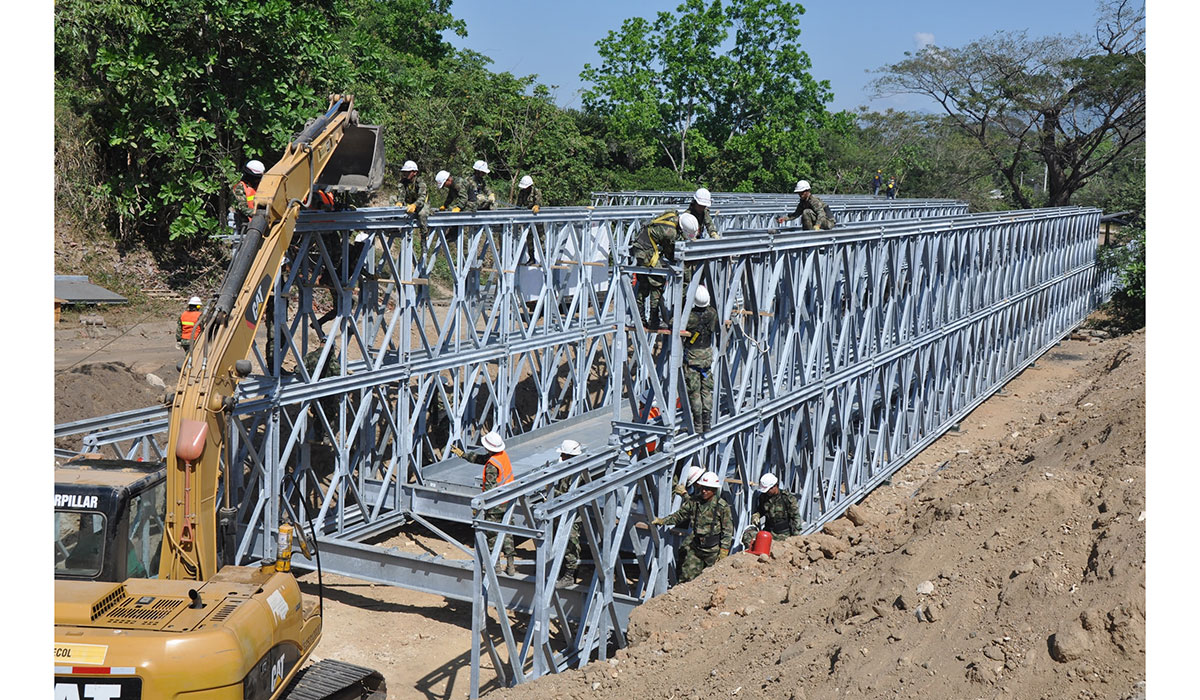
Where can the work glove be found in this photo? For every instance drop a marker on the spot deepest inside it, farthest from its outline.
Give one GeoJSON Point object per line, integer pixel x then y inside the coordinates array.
{"type": "Point", "coordinates": [410, 208]}
{"type": "Point", "coordinates": [680, 490]}
{"type": "Point", "coordinates": [456, 209]}
{"type": "Point", "coordinates": [816, 227]}
{"type": "Point", "coordinates": [442, 208]}
{"type": "Point", "coordinates": [722, 554]}
{"type": "Point", "coordinates": [492, 197]}
{"type": "Point", "coordinates": [755, 519]}
{"type": "Point", "coordinates": [657, 521]}
{"type": "Point", "coordinates": [781, 219]}
{"type": "Point", "coordinates": [456, 451]}
{"type": "Point", "coordinates": [535, 208]}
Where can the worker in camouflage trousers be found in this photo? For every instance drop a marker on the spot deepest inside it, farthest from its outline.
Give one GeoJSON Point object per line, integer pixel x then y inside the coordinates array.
{"type": "Point", "coordinates": [776, 512]}
{"type": "Point", "coordinates": [654, 246]}
{"type": "Point", "coordinates": [698, 341]}
{"type": "Point", "coordinates": [497, 471]}
{"type": "Point", "coordinates": [530, 197]}
{"type": "Point", "coordinates": [814, 214]}
{"type": "Point", "coordinates": [711, 523]}
{"type": "Point", "coordinates": [480, 196]}
{"type": "Point", "coordinates": [566, 575]}
{"type": "Point", "coordinates": [414, 196]}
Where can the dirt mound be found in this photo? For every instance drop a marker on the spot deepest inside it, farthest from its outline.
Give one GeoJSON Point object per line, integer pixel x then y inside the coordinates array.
{"type": "Point", "coordinates": [101, 388]}
{"type": "Point", "coordinates": [1007, 562]}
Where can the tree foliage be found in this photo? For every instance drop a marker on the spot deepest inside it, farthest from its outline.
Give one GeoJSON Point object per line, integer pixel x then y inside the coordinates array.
{"type": "Point", "coordinates": [745, 117]}
{"type": "Point", "coordinates": [1071, 105]}
{"type": "Point", "coordinates": [184, 91]}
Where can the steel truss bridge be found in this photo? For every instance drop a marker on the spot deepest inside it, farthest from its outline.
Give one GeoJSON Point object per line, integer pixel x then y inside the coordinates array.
{"type": "Point", "coordinates": [841, 354]}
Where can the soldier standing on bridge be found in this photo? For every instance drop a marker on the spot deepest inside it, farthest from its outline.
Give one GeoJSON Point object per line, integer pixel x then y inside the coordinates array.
{"type": "Point", "coordinates": [813, 213]}
{"type": "Point", "coordinates": [566, 576]}
{"type": "Point", "coordinates": [877, 182]}
{"type": "Point", "coordinates": [530, 197]}
{"type": "Point", "coordinates": [654, 247]}
{"type": "Point", "coordinates": [711, 523]}
{"type": "Point", "coordinates": [701, 201]}
{"type": "Point", "coordinates": [480, 196]}
{"type": "Point", "coordinates": [776, 512]}
{"type": "Point", "coordinates": [698, 358]}
{"type": "Point", "coordinates": [414, 194]}
{"type": "Point", "coordinates": [497, 471]}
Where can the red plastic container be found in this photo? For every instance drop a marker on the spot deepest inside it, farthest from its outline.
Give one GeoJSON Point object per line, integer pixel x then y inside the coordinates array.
{"type": "Point", "coordinates": [762, 543]}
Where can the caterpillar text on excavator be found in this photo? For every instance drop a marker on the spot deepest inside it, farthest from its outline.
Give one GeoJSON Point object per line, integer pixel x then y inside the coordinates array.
{"type": "Point", "coordinates": [195, 625]}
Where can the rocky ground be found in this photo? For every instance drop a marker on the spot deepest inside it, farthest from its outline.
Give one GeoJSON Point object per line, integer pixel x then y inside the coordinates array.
{"type": "Point", "coordinates": [1007, 560]}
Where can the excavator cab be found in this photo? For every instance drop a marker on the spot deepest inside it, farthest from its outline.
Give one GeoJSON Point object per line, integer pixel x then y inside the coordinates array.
{"type": "Point", "coordinates": [108, 519]}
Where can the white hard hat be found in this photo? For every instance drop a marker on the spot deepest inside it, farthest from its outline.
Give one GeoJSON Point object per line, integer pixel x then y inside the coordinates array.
{"type": "Point", "coordinates": [525, 183]}
{"type": "Point", "coordinates": [255, 167]}
{"type": "Point", "coordinates": [194, 301]}
{"type": "Point", "coordinates": [481, 166]}
{"type": "Point", "coordinates": [711, 480]}
{"type": "Point", "coordinates": [493, 442]}
{"type": "Point", "coordinates": [688, 224]}
{"type": "Point", "coordinates": [361, 236]}
{"type": "Point", "coordinates": [570, 447]}
{"type": "Point", "coordinates": [692, 474]}
{"type": "Point", "coordinates": [802, 186]}
{"type": "Point", "coordinates": [702, 299]}
{"type": "Point", "coordinates": [408, 166]}
{"type": "Point", "coordinates": [441, 177]}
{"type": "Point", "coordinates": [766, 481]}
{"type": "Point", "coordinates": [703, 197]}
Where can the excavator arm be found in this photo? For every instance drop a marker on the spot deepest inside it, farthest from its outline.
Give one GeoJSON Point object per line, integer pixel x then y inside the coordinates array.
{"type": "Point", "coordinates": [217, 359]}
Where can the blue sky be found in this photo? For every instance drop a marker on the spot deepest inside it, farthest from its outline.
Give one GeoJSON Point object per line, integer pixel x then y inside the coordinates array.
{"type": "Point", "coordinates": [843, 39]}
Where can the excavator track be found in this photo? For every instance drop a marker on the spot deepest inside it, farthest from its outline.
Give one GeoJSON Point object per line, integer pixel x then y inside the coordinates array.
{"type": "Point", "coordinates": [336, 680]}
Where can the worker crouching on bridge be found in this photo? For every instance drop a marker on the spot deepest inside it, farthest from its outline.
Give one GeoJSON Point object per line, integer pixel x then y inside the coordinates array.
{"type": "Point", "coordinates": [698, 358]}
{"type": "Point", "coordinates": [654, 246]}
{"type": "Point", "coordinates": [711, 523]}
{"type": "Point", "coordinates": [497, 471]}
{"type": "Point", "coordinates": [777, 512]}
{"type": "Point", "coordinates": [814, 214]}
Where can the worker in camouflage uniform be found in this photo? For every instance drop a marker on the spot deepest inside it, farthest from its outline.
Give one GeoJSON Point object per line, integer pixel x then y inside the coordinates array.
{"type": "Point", "coordinates": [244, 191]}
{"type": "Point", "coordinates": [566, 576]}
{"type": "Point", "coordinates": [530, 197]}
{"type": "Point", "coordinates": [813, 213]}
{"type": "Point", "coordinates": [711, 523]}
{"type": "Point", "coordinates": [497, 471]}
{"type": "Point", "coordinates": [329, 404]}
{"type": "Point", "coordinates": [480, 196]}
{"type": "Point", "coordinates": [655, 247]}
{"type": "Point", "coordinates": [414, 196]}
{"type": "Point", "coordinates": [776, 512]}
{"type": "Point", "coordinates": [701, 201]}
{"type": "Point", "coordinates": [698, 339]}
{"type": "Point", "coordinates": [456, 197]}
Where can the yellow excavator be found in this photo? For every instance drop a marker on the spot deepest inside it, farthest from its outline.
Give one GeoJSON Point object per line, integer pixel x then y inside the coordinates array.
{"type": "Point", "coordinates": [200, 630]}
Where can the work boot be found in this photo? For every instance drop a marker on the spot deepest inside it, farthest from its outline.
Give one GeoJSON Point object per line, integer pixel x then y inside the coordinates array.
{"type": "Point", "coordinates": [511, 567]}
{"type": "Point", "coordinates": [565, 578]}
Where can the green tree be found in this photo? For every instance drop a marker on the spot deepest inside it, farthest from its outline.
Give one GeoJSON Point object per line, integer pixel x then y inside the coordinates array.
{"type": "Point", "coordinates": [742, 117]}
{"type": "Point", "coordinates": [185, 91]}
{"type": "Point", "coordinates": [1071, 105]}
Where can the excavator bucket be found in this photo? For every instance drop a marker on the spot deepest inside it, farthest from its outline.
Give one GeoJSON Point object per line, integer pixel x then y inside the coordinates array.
{"type": "Point", "coordinates": [357, 164]}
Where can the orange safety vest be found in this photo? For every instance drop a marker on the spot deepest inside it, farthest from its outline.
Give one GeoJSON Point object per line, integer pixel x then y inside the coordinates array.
{"type": "Point", "coordinates": [322, 200]}
{"type": "Point", "coordinates": [250, 192]}
{"type": "Point", "coordinates": [654, 413]}
{"type": "Point", "coordinates": [503, 466]}
{"type": "Point", "coordinates": [188, 320]}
